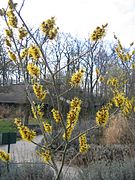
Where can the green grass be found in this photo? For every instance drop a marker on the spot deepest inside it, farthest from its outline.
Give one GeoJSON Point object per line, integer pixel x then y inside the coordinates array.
{"type": "Point", "coordinates": [33, 121]}
{"type": "Point", "coordinates": [7, 126]}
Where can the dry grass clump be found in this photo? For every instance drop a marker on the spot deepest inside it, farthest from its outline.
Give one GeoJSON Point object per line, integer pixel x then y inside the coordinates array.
{"type": "Point", "coordinates": [11, 111]}
{"type": "Point", "coordinates": [119, 131]}
{"type": "Point", "coordinates": [5, 111]}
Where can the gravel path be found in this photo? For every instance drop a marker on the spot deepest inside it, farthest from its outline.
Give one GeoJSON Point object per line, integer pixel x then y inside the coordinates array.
{"type": "Point", "coordinates": [24, 151]}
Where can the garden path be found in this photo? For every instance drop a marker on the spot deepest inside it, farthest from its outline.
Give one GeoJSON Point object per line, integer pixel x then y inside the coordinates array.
{"type": "Point", "coordinates": [24, 151]}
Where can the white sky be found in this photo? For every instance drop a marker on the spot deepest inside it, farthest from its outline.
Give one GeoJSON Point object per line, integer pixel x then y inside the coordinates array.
{"type": "Point", "coordinates": [80, 17]}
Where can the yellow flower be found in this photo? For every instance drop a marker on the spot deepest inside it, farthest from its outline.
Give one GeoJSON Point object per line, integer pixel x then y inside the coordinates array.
{"type": "Point", "coordinates": [49, 28]}
{"type": "Point", "coordinates": [83, 146]}
{"type": "Point", "coordinates": [47, 127]}
{"type": "Point", "coordinates": [123, 102]}
{"type": "Point", "coordinates": [98, 33]}
{"type": "Point", "coordinates": [45, 155]}
{"type": "Point", "coordinates": [26, 133]}
{"type": "Point", "coordinates": [112, 82]}
{"type": "Point", "coordinates": [72, 117]}
{"type": "Point", "coordinates": [76, 78]}
{"type": "Point", "coordinates": [120, 45]}
{"type": "Point", "coordinates": [17, 122]}
{"type": "Point", "coordinates": [56, 115]}
{"type": "Point", "coordinates": [76, 102]}
{"type": "Point", "coordinates": [102, 116]}
{"type": "Point", "coordinates": [119, 99]}
{"type": "Point", "coordinates": [33, 70]}
{"type": "Point", "coordinates": [22, 33]}
{"type": "Point", "coordinates": [38, 91]}
{"type": "Point", "coordinates": [101, 79]}
{"type": "Point", "coordinates": [7, 41]}
{"type": "Point", "coordinates": [109, 105]}
{"type": "Point", "coordinates": [133, 52]}
{"type": "Point", "coordinates": [24, 53]}
{"type": "Point", "coordinates": [68, 133]}
{"type": "Point", "coordinates": [4, 156]}
{"type": "Point", "coordinates": [12, 19]}
{"type": "Point", "coordinates": [128, 56]}
{"type": "Point", "coordinates": [127, 108]}
{"type": "Point", "coordinates": [12, 56]}
{"type": "Point", "coordinates": [11, 4]}
{"type": "Point", "coordinates": [122, 54]}
{"type": "Point", "coordinates": [34, 52]}
{"type": "Point", "coordinates": [37, 111]}
{"type": "Point", "coordinates": [10, 13]}
{"type": "Point", "coordinates": [8, 33]}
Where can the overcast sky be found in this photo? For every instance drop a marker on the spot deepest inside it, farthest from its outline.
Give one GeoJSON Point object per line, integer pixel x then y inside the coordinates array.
{"type": "Point", "coordinates": [80, 17]}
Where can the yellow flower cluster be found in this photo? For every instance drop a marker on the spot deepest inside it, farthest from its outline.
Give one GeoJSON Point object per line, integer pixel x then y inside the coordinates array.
{"type": "Point", "coordinates": [12, 56]}
{"type": "Point", "coordinates": [22, 33]}
{"type": "Point", "coordinates": [7, 41]}
{"type": "Point", "coordinates": [17, 122]}
{"type": "Point", "coordinates": [8, 33]}
{"type": "Point", "coordinates": [75, 103]}
{"type": "Point", "coordinates": [123, 54]}
{"type": "Point", "coordinates": [24, 53]}
{"type": "Point", "coordinates": [4, 156]}
{"type": "Point", "coordinates": [98, 33]}
{"type": "Point", "coordinates": [38, 91]}
{"type": "Point", "coordinates": [77, 77]}
{"type": "Point", "coordinates": [72, 117]}
{"type": "Point", "coordinates": [119, 99]}
{"type": "Point", "coordinates": [101, 79]}
{"type": "Point", "coordinates": [26, 133]}
{"type": "Point", "coordinates": [109, 105]}
{"type": "Point", "coordinates": [12, 19]}
{"type": "Point", "coordinates": [127, 107]}
{"type": "Point", "coordinates": [56, 115]}
{"type": "Point", "coordinates": [47, 127]}
{"type": "Point", "coordinates": [49, 28]}
{"type": "Point", "coordinates": [33, 70]}
{"type": "Point", "coordinates": [112, 82]}
{"type": "Point", "coordinates": [11, 4]}
{"type": "Point", "coordinates": [102, 116]}
{"type": "Point", "coordinates": [123, 103]}
{"type": "Point", "coordinates": [34, 52]}
{"type": "Point", "coordinates": [83, 146]}
{"type": "Point", "coordinates": [37, 111]}
{"type": "Point", "coordinates": [45, 155]}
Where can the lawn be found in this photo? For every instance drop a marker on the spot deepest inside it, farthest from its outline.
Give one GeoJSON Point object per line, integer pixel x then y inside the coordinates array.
{"type": "Point", "coordinates": [7, 126]}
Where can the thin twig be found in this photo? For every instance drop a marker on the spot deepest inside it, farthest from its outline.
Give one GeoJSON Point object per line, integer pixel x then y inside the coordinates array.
{"type": "Point", "coordinates": [87, 130]}
{"type": "Point", "coordinates": [70, 163]}
{"type": "Point", "coordinates": [72, 60]}
{"type": "Point", "coordinates": [21, 6]}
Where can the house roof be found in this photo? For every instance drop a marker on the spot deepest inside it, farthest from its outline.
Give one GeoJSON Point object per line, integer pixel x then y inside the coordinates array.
{"type": "Point", "coordinates": [13, 94]}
